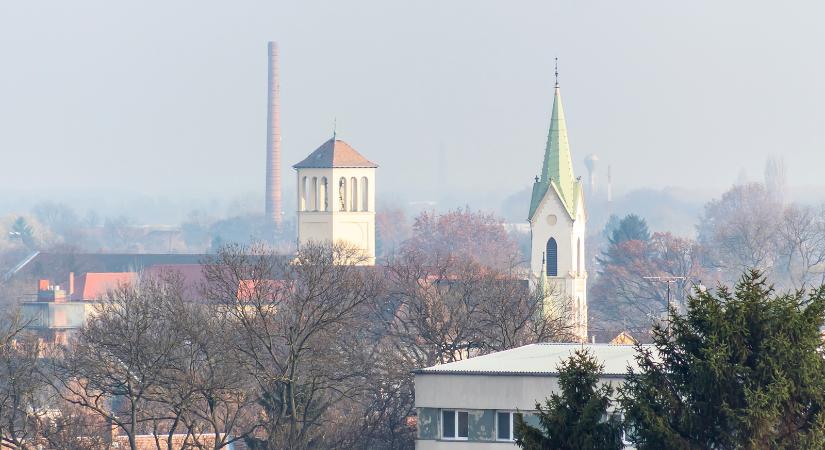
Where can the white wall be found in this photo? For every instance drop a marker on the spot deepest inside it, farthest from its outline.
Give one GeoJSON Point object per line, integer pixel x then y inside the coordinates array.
{"type": "Point", "coordinates": [333, 225]}
{"type": "Point", "coordinates": [482, 391]}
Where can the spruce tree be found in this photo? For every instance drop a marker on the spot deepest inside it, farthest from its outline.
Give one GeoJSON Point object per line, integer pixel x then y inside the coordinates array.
{"type": "Point", "coordinates": [578, 416]}
{"type": "Point", "coordinates": [740, 369]}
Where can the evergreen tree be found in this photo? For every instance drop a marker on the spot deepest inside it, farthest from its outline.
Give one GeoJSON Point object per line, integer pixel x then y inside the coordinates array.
{"type": "Point", "coordinates": [578, 417]}
{"type": "Point", "coordinates": [21, 229]}
{"type": "Point", "coordinates": [630, 228]}
{"type": "Point", "coordinates": [739, 370]}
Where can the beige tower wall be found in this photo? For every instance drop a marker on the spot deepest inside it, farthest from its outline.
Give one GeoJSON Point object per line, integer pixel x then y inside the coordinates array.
{"type": "Point", "coordinates": [325, 221]}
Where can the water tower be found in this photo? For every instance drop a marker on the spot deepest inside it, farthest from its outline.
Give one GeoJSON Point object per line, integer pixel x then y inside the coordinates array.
{"type": "Point", "coordinates": [591, 161]}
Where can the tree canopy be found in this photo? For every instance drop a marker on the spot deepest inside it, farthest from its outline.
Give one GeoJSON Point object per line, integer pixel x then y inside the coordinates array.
{"type": "Point", "coordinates": [578, 416]}
{"type": "Point", "coordinates": [630, 228]}
{"type": "Point", "coordinates": [740, 369]}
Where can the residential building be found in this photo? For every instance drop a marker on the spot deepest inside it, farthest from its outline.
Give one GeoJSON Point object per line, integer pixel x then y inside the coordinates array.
{"type": "Point", "coordinates": [59, 311]}
{"type": "Point", "coordinates": [471, 404]}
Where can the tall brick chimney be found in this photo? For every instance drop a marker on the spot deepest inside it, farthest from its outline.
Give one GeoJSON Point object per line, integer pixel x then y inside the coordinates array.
{"type": "Point", "coordinates": [273, 142]}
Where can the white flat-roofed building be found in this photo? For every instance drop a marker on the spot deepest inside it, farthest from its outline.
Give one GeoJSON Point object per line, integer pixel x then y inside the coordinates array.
{"type": "Point", "coordinates": [470, 404]}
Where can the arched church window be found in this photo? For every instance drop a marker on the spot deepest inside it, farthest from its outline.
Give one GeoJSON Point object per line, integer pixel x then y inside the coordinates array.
{"type": "Point", "coordinates": [552, 258]}
{"type": "Point", "coordinates": [354, 186]}
{"type": "Point", "coordinates": [324, 194]}
{"type": "Point", "coordinates": [342, 194]}
{"type": "Point", "coordinates": [365, 192]}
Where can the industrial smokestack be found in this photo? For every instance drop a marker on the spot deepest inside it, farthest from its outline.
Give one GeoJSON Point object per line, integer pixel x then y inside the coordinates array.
{"type": "Point", "coordinates": [609, 185]}
{"type": "Point", "coordinates": [273, 141]}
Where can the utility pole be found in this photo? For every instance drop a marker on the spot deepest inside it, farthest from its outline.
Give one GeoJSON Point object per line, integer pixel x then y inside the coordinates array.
{"type": "Point", "coordinates": [667, 280]}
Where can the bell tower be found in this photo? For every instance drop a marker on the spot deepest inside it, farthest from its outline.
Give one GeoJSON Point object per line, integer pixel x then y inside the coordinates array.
{"type": "Point", "coordinates": [336, 197]}
{"type": "Point", "coordinates": [557, 226]}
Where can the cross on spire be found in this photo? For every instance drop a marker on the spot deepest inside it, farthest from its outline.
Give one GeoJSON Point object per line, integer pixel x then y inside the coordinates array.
{"type": "Point", "coordinates": [557, 71]}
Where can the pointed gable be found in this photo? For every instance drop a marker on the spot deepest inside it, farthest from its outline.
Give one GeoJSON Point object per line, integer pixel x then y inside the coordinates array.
{"type": "Point", "coordinates": [334, 153]}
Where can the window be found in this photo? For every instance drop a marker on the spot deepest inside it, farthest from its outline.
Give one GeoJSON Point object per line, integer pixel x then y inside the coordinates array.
{"type": "Point", "coordinates": [552, 258]}
{"type": "Point", "coordinates": [342, 194]}
{"type": "Point", "coordinates": [454, 424]}
{"type": "Point", "coordinates": [354, 188]}
{"type": "Point", "coordinates": [505, 425]}
{"type": "Point", "coordinates": [302, 194]}
{"type": "Point", "coordinates": [314, 201]}
{"type": "Point", "coordinates": [324, 195]}
{"type": "Point", "coordinates": [365, 204]}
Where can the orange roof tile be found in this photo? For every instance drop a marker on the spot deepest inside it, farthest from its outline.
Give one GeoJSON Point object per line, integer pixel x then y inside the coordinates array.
{"type": "Point", "coordinates": [93, 285]}
{"type": "Point", "coordinates": [334, 153]}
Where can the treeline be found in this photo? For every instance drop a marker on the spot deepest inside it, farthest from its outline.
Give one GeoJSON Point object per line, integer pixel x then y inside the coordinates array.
{"type": "Point", "coordinates": [749, 226]}
{"type": "Point", "coordinates": [311, 350]}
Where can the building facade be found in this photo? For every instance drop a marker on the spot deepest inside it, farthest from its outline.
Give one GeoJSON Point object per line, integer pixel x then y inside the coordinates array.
{"type": "Point", "coordinates": [58, 312]}
{"type": "Point", "coordinates": [336, 198]}
{"type": "Point", "coordinates": [471, 404]}
{"type": "Point", "coordinates": [557, 228]}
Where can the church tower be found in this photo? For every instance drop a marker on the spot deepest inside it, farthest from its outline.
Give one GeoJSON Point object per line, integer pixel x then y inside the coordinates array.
{"type": "Point", "coordinates": [557, 226]}
{"type": "Point", "coordinates": [336, 197]}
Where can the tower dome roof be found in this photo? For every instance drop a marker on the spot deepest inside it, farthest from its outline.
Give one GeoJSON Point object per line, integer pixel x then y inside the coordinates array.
{"type": "Point", "coordinates": [334, 153]}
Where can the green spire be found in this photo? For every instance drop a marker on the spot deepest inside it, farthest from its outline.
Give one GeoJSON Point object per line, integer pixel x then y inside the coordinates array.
{"type": "Point", "coordinates": [557, 169]}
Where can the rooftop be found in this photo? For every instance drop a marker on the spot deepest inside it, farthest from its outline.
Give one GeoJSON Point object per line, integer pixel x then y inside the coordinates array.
{"type": "Point", "coordinates": [94, 285]}
{"type": "Point", "coordinates": [334, 153]}
{"type": "Point", "coordinates": [538, 359]}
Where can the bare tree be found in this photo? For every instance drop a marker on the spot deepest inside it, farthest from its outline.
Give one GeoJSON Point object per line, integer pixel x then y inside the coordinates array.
{"type": "Point", "coordinates": [30, 416]}
{"type": "Point", "coordinates": [298, 321]}
{"type": "Point", "coordinates": [20, 387]}
{"type": "Point", "coordinates": [466, 235]}
{"type": "Point", "coordinates": [451, 308]}
{"type": "Point", "coordinates": [116, 366]}
{"type": "Point", "coordinates": [202, 388]}
{"type": "Point", "coordinates": [802, 245]}
{"type": "Point", "coordinates": [740, 230]}
{"type": "Point", "coordinates": [626, 295]}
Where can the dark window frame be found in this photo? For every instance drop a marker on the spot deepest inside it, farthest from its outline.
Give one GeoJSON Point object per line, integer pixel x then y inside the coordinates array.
{"type": "Point", "coordinates": [552, 257]}
{"type": "Point", "coordinates": [456, 430]}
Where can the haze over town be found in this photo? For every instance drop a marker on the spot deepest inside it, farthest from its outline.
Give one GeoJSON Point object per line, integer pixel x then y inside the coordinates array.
{"type": "Point", "coordinates": [361, 224]}
{"type": "Point", "coordinates": [153, 110]}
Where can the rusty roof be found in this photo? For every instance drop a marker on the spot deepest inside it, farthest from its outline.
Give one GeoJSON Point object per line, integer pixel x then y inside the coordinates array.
{"type": "Point", "coordinates": [334, 153]}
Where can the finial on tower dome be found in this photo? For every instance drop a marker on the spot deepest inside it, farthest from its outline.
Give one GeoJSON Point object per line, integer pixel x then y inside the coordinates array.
{"type": "Point", "coordinates": [557, 71]}
{"type": "Point", "coordinates": [334, 127]}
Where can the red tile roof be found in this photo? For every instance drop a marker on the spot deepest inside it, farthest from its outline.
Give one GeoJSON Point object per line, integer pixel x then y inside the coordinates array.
{"type": "Point", "coordinates": [251, 289]}
{"type": "Point", "coordinates": [334, 153]}
{"type": "Point", "coordinates": [93, 285]}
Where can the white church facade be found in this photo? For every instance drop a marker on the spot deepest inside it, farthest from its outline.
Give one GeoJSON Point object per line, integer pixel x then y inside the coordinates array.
{"type": "Point", "coordinates": [557, 228]}
{"type": "Point", "coordinates": [336, 198]}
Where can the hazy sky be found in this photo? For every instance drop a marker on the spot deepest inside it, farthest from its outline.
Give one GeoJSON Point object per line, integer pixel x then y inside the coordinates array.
{"type": "Point", "coordinates": [170, 96]}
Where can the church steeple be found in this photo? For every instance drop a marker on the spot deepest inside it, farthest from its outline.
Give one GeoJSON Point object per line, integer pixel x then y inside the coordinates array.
{"type": "Point", "coordinates": [557, 167]}
{"type": "Point", "coordinates": [558, 228]}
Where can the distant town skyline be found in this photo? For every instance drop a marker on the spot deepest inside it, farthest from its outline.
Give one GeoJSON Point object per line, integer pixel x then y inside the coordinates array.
{"type": "Point", "coordinates": [161, 98]}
